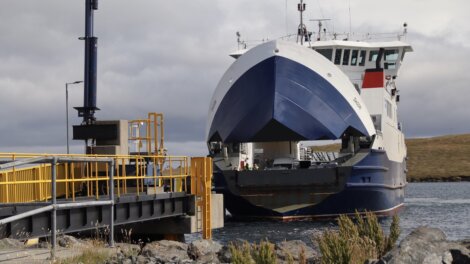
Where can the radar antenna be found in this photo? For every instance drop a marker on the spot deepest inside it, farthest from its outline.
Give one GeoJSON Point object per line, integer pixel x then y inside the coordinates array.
{"type": "Point", "coordinates": [241, 43]}
{"type": "Point", "coordinates": [320, 24]}
{"type": "Point", "coordinates": [405, 31]}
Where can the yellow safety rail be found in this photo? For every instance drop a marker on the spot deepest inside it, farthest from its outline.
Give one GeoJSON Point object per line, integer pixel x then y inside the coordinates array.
{"type": "Point", "coordinates": [132, 175]}
{"type": "Point", "coordinates": [89, 178]}
{"type": "Point", "coordinates": [201, 184]}
{"type": "Point", "coordinates": [148, 133]}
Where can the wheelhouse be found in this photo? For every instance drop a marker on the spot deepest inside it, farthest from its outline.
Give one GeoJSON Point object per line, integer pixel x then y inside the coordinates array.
{"type": "Point", "coordinates": [354, 57]}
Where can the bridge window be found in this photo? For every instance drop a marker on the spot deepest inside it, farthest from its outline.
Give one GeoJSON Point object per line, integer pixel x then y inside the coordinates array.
{"type": "Point", "coordinates": [391, 57]}
{"type": "Point", "coordinates": [346, 56]}
{"type": "Point", "coordinates": [327, 53]}
{"type": "Point", "coordinates": [338, 53]}
{"type": "Point", "coordinates": [354, 57]}
{"type": "Point", "coordinates": [362, 58]}
{"type": "Point", "coordinates": [373, 54]}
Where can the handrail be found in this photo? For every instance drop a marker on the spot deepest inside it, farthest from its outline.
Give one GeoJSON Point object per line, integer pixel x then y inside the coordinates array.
{"type": "Point", "coordinates": [53, 160]}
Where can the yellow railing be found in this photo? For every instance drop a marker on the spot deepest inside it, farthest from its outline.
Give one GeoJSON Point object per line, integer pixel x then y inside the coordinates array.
{"type": "Point", "coordinates": [148, 134]}
{"type": "Point", "coordinates": [201, 186]}
{"type": "Point", "coordinates": [132, 174]}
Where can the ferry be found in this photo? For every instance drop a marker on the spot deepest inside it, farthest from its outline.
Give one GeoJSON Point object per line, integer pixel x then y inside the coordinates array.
{"type": "Point", "coordinates": [279, 94]}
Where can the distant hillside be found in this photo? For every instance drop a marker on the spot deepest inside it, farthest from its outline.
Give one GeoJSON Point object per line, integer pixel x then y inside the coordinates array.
{"type": "Point", "coordinates": [439, 157]}
{"type": "Point", "coordinates": [433, 159]}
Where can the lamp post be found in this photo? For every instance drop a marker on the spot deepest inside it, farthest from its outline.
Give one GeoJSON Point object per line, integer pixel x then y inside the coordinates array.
{"type": "Point", "coordinates": [67, 109]}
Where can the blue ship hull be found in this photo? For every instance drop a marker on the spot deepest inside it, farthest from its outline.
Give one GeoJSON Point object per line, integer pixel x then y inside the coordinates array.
{"type": "Point", "coordinates": [280, 99]}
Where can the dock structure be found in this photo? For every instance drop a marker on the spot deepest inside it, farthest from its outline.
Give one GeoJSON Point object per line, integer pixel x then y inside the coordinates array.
{"type": "Point", "coordinates": [126, 179]}
{"type": "Point", "coordinates": [43, 195]}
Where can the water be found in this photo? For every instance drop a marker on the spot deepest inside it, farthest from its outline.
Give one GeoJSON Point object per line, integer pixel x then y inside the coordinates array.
{"type": "Point", "coordinates": [442, 205]}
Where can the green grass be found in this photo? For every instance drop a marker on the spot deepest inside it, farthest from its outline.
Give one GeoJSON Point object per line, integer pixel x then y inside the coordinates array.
{"type": "Point", "coordinates": [358, 239]}
{"type": "Point", "coordinates": [441, 158]}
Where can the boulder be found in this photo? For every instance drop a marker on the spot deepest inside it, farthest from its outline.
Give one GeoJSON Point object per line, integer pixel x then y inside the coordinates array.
{"type": "Point", "coordinates": [69, 241]}
{"type": "Point", "coordinates": [426, 245]}
{"type": "Point", "coordinates": [165, 251]}
{"type": "Point", "coordinates": [224, 254]}
{"type": "Point", "coordinates": [465, 243]}
{"type": "Point", "coordinates": [144, 260]}
{"type": "Point", "coordinates": [204, 251]}
{"type": "Point", "coordinates": [460, 255]}
{"type": "Point", "coordinates": [128, 250]}
{"type": "Point", "coordinates": [293, 250]}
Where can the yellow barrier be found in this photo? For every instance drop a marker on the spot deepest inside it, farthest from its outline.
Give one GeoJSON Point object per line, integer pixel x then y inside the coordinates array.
{"type": "Point", "coordinates": [132, 175]}
{"type": "Point", "coordinates": [201, 185]}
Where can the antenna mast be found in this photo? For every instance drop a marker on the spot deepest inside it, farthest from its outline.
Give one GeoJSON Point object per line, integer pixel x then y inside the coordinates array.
{"type": "Point", "coordinates": [302, 30]}
{"type": "Point", "coordinates": [350, 33]}
{"type": "Point", "coordinates": [320, 24]}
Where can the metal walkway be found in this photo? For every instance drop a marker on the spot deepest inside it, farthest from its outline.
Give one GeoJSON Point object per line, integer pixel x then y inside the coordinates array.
{"type": "Point", "coordinates": [41, 195]}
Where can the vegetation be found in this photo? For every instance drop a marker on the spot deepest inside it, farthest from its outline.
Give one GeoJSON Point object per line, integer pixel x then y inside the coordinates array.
{"type": "Point", "coordinates": [262, 253]}
{"type": "Point", "coordinates": [358, 240]}
{"type": "Point", "coordinates": [241, 254]}
{"type": "Point", "coordinates": [91, 256]}
{"type": "Point", "coordinates": [443, 158]}
{"type": "Point", "coordinates": [439, 158]}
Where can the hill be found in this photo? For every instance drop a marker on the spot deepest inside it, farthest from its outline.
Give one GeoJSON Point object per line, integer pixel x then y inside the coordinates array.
{"type": "Point", "coordinates": [444, 158]}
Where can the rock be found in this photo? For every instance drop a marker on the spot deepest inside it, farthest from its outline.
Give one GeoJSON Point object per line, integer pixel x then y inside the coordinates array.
{"type": "Point", "coordinates": [225, 256]}
{"type": "Point", "coordinates": [204, 251]}
{"type": "Point", "coordinates": [460, 256]}
{"type": "Point", "coordinates": [128, 250]}
{"type": "Point", "coordinates": [465, 243]}
{"type": "Point", "coordinates": [68, 241]}
{"type": "Point", "coordinates": [124, 254]}
{"type": "Point", "coordinates": [126, 261]}
{"type": "Point", "coordinates": [166, 251]}
{"type": "Point", "coordinates": [293, 249]}
{"type": "Point", "coordinates": [44, 244]}
{"type": "Point", "coordinates": [7, 243]}
{"type": "Point", "coordinates": [426, 245]}
{"type": "Point", "coordinates": [144, 260]}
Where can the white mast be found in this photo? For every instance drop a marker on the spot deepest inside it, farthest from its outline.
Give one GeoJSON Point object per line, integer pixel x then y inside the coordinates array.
{"type": "Point", "coordinates": [302, 30]}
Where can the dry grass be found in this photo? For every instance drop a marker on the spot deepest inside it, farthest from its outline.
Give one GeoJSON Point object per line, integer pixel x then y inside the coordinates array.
{"type": "Point", "coordinates": [262, 253]}
{"type": "Point", "coordinates": [357, 240]}
{"type": "Point", "coordinates": [241, 253]}
{"type": "Point", "coordinates": [439, 157]}
{"type": "Point", "coordinates": [91, 256]}
{"type": "Point", "coordinates": [430, 159]}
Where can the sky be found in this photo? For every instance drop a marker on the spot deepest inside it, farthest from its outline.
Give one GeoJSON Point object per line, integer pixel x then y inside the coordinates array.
{"type": "Point", "coordinates": [168, 56]}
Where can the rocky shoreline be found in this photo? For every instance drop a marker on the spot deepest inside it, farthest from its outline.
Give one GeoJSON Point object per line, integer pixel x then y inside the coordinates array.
{"type": "Point", "coordinates": [441, 179]}
{"type": "Point", "coordinates": [422, 245]}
